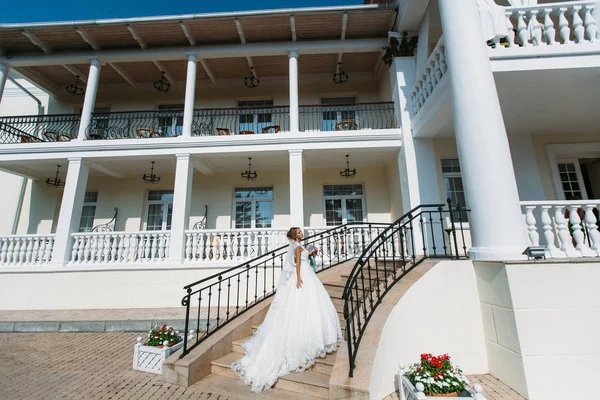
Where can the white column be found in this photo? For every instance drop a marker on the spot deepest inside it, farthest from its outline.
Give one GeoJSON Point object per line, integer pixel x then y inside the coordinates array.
{"type": "Point", "coordinates": [294, 111]}
{"type": "Point", "coordinates": [498, 230]}
{"type": "Point", "coordinates": [90, 98]}
{"type": "Point", "coordinates": [182, 200]}
{"type": "Point", "coordinates": [423, 43]}
{"type": "Point", "coordinates": [3, 76]}
{"type": "Point", "coordinates": [527, 172]}
{"type": "Point", "coordinates": [296, 189]}
{"type": "Point", "coordinates": [190, 93]}
{"type": "Point", "coordinates": [70, 210]}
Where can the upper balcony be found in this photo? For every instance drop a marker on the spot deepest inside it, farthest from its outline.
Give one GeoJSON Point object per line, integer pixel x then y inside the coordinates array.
{"type": "Point", "coordinates": [545, 70]}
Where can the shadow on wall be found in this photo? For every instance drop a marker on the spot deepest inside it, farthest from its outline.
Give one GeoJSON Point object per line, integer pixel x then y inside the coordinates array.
{"type": "Point", "coordinates": [44, 203]}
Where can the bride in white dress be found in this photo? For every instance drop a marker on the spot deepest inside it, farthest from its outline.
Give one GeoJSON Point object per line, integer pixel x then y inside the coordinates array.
{"type": "Point", "coordinates": [301, 324]}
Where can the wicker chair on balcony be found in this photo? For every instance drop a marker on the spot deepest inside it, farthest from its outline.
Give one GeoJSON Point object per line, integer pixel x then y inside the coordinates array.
{"type": "Point", "coordinates": [147, 133]}
{"type": "Point", "coordinates": [223, 131]}
{"type": "Point", "coordinates": [271, 129]}
{"type": "Point", "coordinates": [346, 126]}
{"type": "Point", "coordinates": [57, 136]}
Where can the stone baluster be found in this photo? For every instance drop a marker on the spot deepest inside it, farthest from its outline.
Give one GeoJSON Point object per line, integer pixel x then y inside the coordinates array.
{"type": "Point", "coordinates": [564, 237]}
{"type": "Point", "coordinates": [578, 29]}
{"type": "Point", "coordinates": [86, 249]}
{"type": "Point", "coordinates": [191, 246]}
{"type": "Point", "coordinates": [522, 31]}
{"type": "Point", "coordinates": [37, 256]}
{"type": "Point", "coordinates": [43, 249]}
{"type": "Point", "coordinates": [114, 249]}
{"type": "Point", "coordinates": [109, 245]}
{"type": "Point", "coordinates": [4, 251]}
{"type": "Point", "coordinates": [126, 248]}
{"type": "Point", "coordinates": [75, 249]}
{"type": "Point", "coordinates": [120, 248]}
{"type": "Point", "coordinates": [591, 28]}
{"type": "Point", "coordinates": [432, 77]}
{"type": "Point", "coordinates": [592, 228]}
{"type": "Point", "coordinates": [511, 30]}
{"type": "Point", "coordinates": [443, 64]}
{"type": "Point", "coordinates": [549, 31]}
{"type": "Point", "coordinates": [20, 250]}
{"type": "Point", "coordinates": [29, 250]}
{"type": "Point", "coordinates": [578, 233]}
{"type": "Point", "coordinates": [11, 251]}
{"type": "Point", "coordinates": [154, 244]}
{"type": "Point", "coordinates": [563, 25]}
{"type": "Point", "coordinates": [438, 67]}
{"type": "Point", "coordinates": [139, 241]}
{"type": "Point", "coordinates": [167, 245]}
{"type": "Point", "coordinates": [536, 35]}
{"type": "Point", "coordinates": [96, 246]}
{"type": "Point", "coordinates": [534, 237]}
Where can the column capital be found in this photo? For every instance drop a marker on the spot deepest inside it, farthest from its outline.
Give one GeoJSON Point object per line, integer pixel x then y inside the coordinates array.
{"type": "Point", "coordinates": [183, 155]}
{"type": "Point", "coordinates": [192, 57]}
{"type": "Point", "coordinates": [95, 61]}
{"type": "Point", "coordinates": [295, 152]}
{"type": "Point", "coordinates": [293, 53]}
{"type": "Point", "coordinates": [75, 160]}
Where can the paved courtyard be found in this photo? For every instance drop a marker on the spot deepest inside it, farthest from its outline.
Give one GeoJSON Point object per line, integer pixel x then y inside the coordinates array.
{"type": "Point", "coordinates": [99, 366]}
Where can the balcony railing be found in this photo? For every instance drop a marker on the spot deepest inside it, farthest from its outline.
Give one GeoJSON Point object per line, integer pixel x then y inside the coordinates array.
{"type": "Point", "coordinates": [240, 121]}
{"type": "Point", "coordinates": [346, 117]}
{"type": "Point", "coordinates": [39, 128]}
{"type": "Point", "coordinates": [26, 249]}
{"type": "Point", "coordinates": [553, 23]}
{"type": "Point", "coordinates": [135, 124]}
{"type": "Point", "coordinates": [563, 228]}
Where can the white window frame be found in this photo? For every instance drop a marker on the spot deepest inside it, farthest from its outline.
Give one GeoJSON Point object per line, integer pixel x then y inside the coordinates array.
{"type": "Point", "coordinates": [165, 209]}
{"type": "Point", "coordinates": [445, 175]}
{"type": "Point", "coordinates": [343, 199]}
{"type": "Point", "coordinates": [574, 161]}
{"type": "Point", "coordinates": [253, 200]}
{"type": "Point", "coordinates": [338, 114]}
{"type": "Point", "coordinates": [174, 125]}
{"type": "Point", "coordinates": [88, 204]}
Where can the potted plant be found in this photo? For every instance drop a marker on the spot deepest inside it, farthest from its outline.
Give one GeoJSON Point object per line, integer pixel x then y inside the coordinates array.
{"type": "Point", "coordinates": [162, 336]}
{"type": "Point", "coordinates": [162, 341]}
{"type": "Point", "coordinates": [404, 47]}
{"type": "Point", "coordinates": [434, 377]}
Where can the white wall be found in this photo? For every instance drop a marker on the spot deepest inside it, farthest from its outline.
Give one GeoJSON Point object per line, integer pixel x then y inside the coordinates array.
{"type": "Point", "coordinates": [556, 312]}
{"type": "Point", "coordinates": [439, 314]}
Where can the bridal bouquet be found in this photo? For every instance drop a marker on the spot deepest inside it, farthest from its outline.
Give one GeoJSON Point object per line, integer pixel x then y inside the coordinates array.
{"type": "Point", "coordinates": [312, 250]}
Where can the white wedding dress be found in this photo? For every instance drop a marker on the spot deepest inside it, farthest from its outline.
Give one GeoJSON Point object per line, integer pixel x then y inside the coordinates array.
{"type": "Point", "coordinates": [301, 325]}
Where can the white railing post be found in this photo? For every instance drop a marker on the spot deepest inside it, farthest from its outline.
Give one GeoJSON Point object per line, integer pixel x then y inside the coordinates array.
{"type": "Point", "coordinates": [534, 236]}
{"type": "Point", "coordinates": [592, 229]}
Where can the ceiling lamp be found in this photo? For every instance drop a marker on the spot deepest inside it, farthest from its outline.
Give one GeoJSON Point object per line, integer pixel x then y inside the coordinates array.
{"type": "Point", "coordinates": [340, 76]}
{"type": "Point", "coordinates": [152, 178]}
{"type": "Point", "coordinates": [249, 175]}
{"type": "Point", "coordinates": [57, 183]}
{"type": "Point", "coordinates": [75, 90]}
{"type": "Point", "coordinates": [251, 81]}
{"type": "Point", "coordinates": [348, 173]}
{"type": "Point", "coordinates": [162, 85]}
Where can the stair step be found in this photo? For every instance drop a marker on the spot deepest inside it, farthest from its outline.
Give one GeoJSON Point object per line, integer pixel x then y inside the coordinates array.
{"type": "Point", "coordinates": [222, 366]}
{"type": "Point", "coordinates": [235, 388]}
{"type": "Point", "coordinates": [311, 383]}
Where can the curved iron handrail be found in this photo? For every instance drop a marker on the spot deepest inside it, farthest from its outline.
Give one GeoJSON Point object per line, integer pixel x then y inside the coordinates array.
{"type": "Point", "coordinates": [393, 254]}
{"type": "Point", "coordinates": [239, 288]}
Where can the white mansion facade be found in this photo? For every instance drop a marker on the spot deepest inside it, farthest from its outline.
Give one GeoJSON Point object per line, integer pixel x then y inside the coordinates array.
{"type": "Point", "coordinates": [141, 154]}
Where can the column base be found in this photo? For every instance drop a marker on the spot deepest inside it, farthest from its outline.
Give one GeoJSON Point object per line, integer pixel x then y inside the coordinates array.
{"type": "Point", "coordinates": [497, 253]}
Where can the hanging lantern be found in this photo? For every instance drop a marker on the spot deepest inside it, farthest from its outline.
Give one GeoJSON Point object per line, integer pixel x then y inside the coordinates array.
{"type": "Point", "coordinates": [152, 178]}
{"type": "Point", "coordinates": [249, 175]}
{"type": "Point", "coordinates": [251, 81]}
{"type": "Point", "coordinates": [348, 173]}
{"type": "Point", "coordinates": [57, 183]}
{"type": "Point", "coordinates": [162, 85]}
{"type": "Point", "coordinates": [75, 90]}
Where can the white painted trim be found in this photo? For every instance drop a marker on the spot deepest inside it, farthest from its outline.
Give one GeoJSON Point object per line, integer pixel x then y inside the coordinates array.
{"type": "Point", "coordinates": [223, 51]}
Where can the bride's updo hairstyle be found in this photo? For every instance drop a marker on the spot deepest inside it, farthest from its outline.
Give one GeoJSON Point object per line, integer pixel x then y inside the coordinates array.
{"type": "Point", "coordinates": [292, 233]}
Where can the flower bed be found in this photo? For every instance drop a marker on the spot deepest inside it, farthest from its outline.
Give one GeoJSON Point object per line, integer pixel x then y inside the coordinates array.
{"type": "Point", "coordinates": [434, 377]}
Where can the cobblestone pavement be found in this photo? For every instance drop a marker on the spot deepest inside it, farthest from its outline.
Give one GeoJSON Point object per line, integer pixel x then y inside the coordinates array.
{"type": "Point", "coordinates": [80, 366]}
{"type": "Point", "coordinates": [99, 366]}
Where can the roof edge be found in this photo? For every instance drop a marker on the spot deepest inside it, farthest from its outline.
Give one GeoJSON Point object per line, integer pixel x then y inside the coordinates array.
{"type": "Point", "coordinates": [187, 17]}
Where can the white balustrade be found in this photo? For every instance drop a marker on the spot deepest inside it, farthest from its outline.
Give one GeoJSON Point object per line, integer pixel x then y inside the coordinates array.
{"type": "Point", "coordinates": [223, 245]}
{"type": "Point", "coordinates": [435, 69]}
{"type": "Point", "coordinates": [564, 228]}
{"type": "Point", "coordinates": [120, 247]}
{"type": "Point", "coordinates": [551, 24]}
{"type": "Point", "coordinates": [26, 249]}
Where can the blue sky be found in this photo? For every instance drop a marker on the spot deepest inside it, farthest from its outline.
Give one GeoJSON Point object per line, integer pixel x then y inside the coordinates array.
{"type": "Point", "coordinates": [66, 10]}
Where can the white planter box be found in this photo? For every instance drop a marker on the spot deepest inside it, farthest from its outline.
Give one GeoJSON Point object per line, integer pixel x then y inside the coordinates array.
{"type": "Point", "coordinates": [150, 358]}
{"type": "Point", "coordinates": [408, 391]}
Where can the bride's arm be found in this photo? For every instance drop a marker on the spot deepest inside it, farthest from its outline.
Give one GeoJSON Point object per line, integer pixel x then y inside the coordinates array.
{"type": "Point", "coordinates": [298, 253]}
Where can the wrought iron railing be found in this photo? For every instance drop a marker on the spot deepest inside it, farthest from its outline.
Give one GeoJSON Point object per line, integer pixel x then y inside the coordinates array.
{"type": "Point", "coordinates": [135, 124]}
{"type": "Point", "coordinates": [244, 120]}
{"type": "Point", "coordinates": [427, 231]}
{"type": "Point", "coordinates": [345, 117]}
{"type": "Point", "coordinates": [39, 128]}
{"type": "Point", "coordinates": [228, 294]}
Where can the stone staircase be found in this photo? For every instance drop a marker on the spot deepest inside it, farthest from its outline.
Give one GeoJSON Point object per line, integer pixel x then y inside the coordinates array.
{"type": "Point", "coordinates": [310, 384]}
{"type": "Point", "coordinates": [328, 378]}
